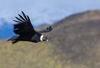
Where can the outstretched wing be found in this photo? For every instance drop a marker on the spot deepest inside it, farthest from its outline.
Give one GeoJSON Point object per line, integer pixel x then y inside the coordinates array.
{"type": "Point", "coordinates": [46, 30]}
{"type": "Point", "coordinates": [23, 25]}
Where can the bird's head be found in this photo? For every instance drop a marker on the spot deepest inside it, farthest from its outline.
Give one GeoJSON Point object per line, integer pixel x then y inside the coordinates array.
{"type": "Point", "coordinates": [43, 38]}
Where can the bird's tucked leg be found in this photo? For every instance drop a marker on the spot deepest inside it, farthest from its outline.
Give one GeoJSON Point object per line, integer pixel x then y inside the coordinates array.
{"type": "Point", "coordinates": [13, 42]}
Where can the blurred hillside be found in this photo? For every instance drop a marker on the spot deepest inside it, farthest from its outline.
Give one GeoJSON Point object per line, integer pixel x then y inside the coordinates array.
{"type": "Point", "coordinates": [73, 43]}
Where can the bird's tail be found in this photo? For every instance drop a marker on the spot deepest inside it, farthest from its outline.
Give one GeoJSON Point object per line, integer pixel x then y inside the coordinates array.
{"type": "Point", "coordinates": [13, 38]}
{"type": "Point", "coordinates": [10, 39]}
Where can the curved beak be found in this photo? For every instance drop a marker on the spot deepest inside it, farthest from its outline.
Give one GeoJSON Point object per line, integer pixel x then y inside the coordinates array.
{"type": "Point", "coordinates": [45, 38]}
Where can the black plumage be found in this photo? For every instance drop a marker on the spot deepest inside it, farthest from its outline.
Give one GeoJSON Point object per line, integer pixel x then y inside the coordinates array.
{"type": "Point", "coordinates": [25, 31]}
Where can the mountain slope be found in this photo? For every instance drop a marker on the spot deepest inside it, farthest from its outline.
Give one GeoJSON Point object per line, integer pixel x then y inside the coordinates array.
{"type": "Point", "coordinates": [78, 38]}
{"type": "Point", "coordinates": [73, 43]}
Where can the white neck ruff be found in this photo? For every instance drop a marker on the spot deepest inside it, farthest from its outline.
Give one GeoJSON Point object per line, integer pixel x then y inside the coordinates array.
{"type": "Point", "coordinates": [41, 38]}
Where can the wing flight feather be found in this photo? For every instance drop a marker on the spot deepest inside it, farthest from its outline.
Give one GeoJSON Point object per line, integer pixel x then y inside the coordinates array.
{"type": "Point", "coordinates": [23, 25]}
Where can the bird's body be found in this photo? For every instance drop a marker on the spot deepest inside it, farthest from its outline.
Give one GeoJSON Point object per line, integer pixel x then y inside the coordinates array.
{"type": "Point", "coordinates": [25, 32]}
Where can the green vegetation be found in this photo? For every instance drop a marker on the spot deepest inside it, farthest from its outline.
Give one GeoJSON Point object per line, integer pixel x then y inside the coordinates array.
{"type": "Point", "coordinates": [73, 43]}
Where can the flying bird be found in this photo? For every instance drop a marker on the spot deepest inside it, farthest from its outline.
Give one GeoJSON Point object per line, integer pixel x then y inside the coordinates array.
{"type": "Point", "coordinates": [25, 31]}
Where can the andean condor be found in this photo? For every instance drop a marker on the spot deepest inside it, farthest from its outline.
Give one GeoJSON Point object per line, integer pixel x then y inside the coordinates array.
{"type": "Point", "coordinates": [25, 32]}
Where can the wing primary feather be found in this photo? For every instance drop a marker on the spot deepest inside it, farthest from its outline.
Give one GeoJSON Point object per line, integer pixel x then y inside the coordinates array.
{"type": "Point", "coordinates": [21, 17]}
{"type": "Point", "coordinates": [24, 15]}
{"type": "Point", "coordinates": [18, 19]}
{"type": "Point", "coordinates": [28, 18]}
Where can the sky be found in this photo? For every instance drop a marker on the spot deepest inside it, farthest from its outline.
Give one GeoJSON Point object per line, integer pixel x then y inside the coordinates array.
{"type": "Point", "coordinates": [44, 11]}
